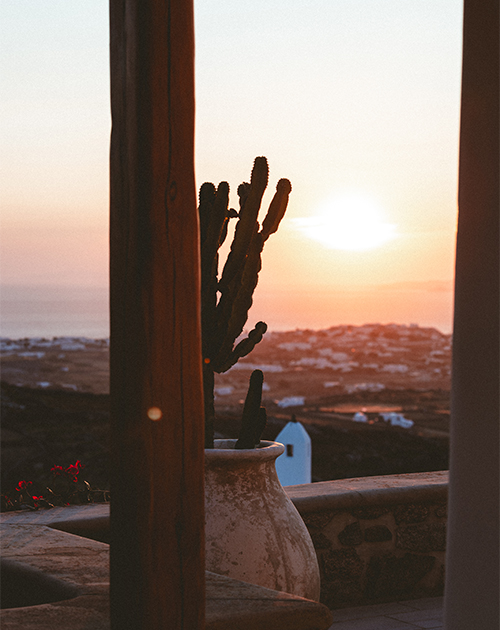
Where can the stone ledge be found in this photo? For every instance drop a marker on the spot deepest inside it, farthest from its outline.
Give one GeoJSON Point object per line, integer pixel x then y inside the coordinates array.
{"type": "Point", "coordinates": [365, 531]}
{"type": "Point", "coordinates": [378, 539]}
{"type": "Point", "coordinates": [233, 604]}
{"type": "Point", "coordinates": [37, 540]}
{"type": "Point", "coordinates": [58, 517]}
{"type": "Point", "coordinates": [364, 491]}
{"type": "Point", "coordinates": [324, 495]}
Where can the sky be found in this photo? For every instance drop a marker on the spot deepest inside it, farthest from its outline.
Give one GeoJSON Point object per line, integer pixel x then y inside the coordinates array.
{"type": "Point", "coordinates": [355, 101]}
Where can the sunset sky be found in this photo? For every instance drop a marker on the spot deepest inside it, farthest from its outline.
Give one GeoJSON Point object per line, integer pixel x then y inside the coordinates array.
{"type": "Point", "coordinates": [355, 101]}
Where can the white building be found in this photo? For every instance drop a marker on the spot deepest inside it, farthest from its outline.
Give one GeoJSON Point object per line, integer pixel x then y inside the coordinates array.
{"type": "Point", "coordinates": [397, 420]}
{"type": "Point", "coordinates": [294, 465]}
{"type": "Point", "coordinates": [291, 401]}
{"type": "Point", "coordinates": [359, 416]}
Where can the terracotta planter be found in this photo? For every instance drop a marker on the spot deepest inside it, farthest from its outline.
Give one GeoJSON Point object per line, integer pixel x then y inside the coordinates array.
{"type": "Point", "coordinates": [253, 531]}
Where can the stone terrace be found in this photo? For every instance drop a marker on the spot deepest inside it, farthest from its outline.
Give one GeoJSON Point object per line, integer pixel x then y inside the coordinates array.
{"type": "Point", "coordinates": [380, 544]}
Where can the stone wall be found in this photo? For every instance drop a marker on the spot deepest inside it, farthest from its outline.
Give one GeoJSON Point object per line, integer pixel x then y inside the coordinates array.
{"type": "Point", "coordinates": [378, 539]}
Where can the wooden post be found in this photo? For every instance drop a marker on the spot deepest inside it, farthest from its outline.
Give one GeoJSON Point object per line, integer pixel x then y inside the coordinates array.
{"type": "Point", "coordinates": [157, 470]}
{"type": "Point", "coordinates": [472, 562]}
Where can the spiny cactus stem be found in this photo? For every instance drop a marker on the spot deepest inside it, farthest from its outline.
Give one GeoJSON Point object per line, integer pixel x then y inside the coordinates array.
{"type": "Point", "coordinates": [247, 225]}
{"type": "Point", "coordinates": [244, 347]}
{"type": "Point", "coordinates": [223, 319]}
{"type": "Point", "coordinates": [260, 425]}
{"type": "Point", "coordinates": [208, 400]}
{"type": "Point", "coordinates": [277, 209]}
{"type": "Point", "coordinates": [232, 310]}
{"type": "Point", "coordinates": [250, 417]}
{"type": "Point", "coordinates": [206, 199]}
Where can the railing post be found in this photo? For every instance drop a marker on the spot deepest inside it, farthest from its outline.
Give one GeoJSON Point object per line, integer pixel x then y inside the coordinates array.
{"type": "Point", "coordinates": [157, 549]}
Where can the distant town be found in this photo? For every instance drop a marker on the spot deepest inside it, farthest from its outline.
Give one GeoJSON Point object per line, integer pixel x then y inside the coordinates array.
{"type": "Point", "coordinates": [374, 399]}
{"type": "Point", "coordinates": [304, 364]}
{"type": "Point", "coordinates": [298, 365]}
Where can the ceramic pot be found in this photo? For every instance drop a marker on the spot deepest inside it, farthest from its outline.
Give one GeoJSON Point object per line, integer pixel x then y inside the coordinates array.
{"type": "Point", "coordinates": [253, 531]}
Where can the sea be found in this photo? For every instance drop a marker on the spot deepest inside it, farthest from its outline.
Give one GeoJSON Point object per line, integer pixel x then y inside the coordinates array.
{"type": "Point", "coordinates": [48, 311]}
{"type": "Point", "coordinates": [53, 311]}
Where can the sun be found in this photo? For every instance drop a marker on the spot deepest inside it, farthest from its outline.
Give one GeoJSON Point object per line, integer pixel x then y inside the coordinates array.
{"type": "Point", "coordinates": [348, 222]}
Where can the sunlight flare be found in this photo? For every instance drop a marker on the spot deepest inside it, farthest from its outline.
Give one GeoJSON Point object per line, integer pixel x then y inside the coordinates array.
{"type": "Point", "coordinates": [349, 222]}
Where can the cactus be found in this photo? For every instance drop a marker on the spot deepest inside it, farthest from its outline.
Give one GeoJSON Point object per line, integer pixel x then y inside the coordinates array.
{"type": "Point", "coordinates": [254, 419]}
{"type": "Point", "coordinates": [225, 302]}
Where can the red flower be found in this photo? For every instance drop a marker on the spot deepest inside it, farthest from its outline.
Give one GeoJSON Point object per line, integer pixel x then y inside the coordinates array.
{"type": "Point", "coordinates": [36, 499]}
{"type": "Point", "coordinates": [23, 485]}
{"type": "Point", "coordinates": [57, 470]}
{"type": "Point", "coordinates": [6, 500]}
{"type": "Point", "coordinates": [73, 470]}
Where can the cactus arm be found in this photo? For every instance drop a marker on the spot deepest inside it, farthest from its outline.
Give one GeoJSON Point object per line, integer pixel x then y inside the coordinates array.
{"type": "Point", "coordinates": [243, 190]}
{"type": "Point", "coordinates": [251, 411]}
{"type": "Point", "coordinates": [208, 402]}
{"type": "Point", "coordinates": [260, 425]}
{"type": "Point", "coordinates": [208, 314]}
{"type": "Point", "coordinates": [210, 259]}
{"type": "Point", "coordinates": [247, 223]}
{"type": "Point", "coordinates": [212, 210]}
{"type": "Point", "coordinates": [215, 225]}
{"type": "Point", "coordinates": [205, 203]}
{"type": "Point", "coordinates": [213, 215]}
{"type": "Point", "coordinates": [244, 347]}
{"type": "Point", "coordinates": [236, 297]}
{"type": "Point", "coordinates": [231, 214]}
{"type": "Point", "coordinates": [233, 320]}
{"type": "Point", "coordinates": [277, 209]}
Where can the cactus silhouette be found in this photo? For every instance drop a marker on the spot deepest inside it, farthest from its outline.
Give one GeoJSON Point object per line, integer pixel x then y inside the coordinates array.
{"type": "Point", "coordinates": [225, 301]}
{"type": "Point", "coordinates": [254, 419]}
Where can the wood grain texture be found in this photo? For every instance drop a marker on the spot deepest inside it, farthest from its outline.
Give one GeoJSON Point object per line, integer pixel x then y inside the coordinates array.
{"type": "Point", "coordinates": [157, 567]}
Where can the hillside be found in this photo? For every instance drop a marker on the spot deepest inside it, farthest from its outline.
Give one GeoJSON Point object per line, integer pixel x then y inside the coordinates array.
{"type": "Point", "coordinates": [55, 402]}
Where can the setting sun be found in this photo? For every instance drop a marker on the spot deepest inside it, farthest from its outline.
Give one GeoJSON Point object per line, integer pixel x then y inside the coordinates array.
{"type": "Point", "coordinates": [349, 222]}
{"type": "Point", "coordinates": [358, 106]}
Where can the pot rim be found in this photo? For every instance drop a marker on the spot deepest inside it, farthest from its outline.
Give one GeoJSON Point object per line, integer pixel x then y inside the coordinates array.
{"type": "Point", "coordinates": [224, 450]}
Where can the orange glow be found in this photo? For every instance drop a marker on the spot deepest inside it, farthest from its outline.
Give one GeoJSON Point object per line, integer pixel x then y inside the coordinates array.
{"type": "Point", "coordinates": [155, 414]}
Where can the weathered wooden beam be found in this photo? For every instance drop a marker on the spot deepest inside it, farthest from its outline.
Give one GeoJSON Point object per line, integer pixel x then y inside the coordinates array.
{"type": "Point", "coordinates": [472, 560]}
{"type": "Point", "coordinates": [157, 550]}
